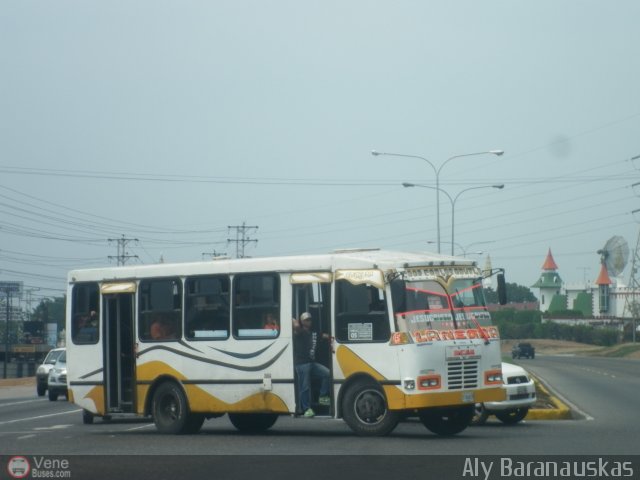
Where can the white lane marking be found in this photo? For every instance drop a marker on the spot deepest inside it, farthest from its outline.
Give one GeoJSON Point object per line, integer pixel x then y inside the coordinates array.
{"type": "Point", "coordinates": [24, 437]}
{"type": "Point", "coordinates": [20, 403]}
{"type": "Point", "coordinates": [140, 428]}
{"type": "Point", "coordinates": [53, 427]}
{"type": "Point", "coordinates": [39, 416]}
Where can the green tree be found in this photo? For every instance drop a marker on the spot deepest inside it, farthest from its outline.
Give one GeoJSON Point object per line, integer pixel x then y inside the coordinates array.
{"type": "Point", "coordinates": [50, 310]}
{"type": "Point", "coordinates": [515, 294]}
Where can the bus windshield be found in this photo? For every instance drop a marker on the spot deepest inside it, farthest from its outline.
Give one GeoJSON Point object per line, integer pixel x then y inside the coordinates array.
{"type": "Point", "coordinates": [426, 305]}
{"type": "Point", "coordinates": [468, 303]}
{"type": "Point", "coordinates": [421, 305]}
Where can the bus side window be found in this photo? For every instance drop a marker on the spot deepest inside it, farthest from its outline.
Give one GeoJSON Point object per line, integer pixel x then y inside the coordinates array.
{"type": "Point", "coordinates": [85, 313]}
{"type": "Point", "coordinates": [361, 313]}
{"type": "Point", "coordinates": [160, 312]}
{"type": "Point", "coordinates": [257, 297]}
{"type": "Point", "coordinates": [207, 307]}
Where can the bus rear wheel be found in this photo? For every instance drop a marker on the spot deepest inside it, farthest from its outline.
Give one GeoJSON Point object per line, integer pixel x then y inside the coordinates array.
{"type": "Point", "coordinates": [447, 421]}
{"type": "Point", "coordinates": [253, 422]}
{"type": "Point", "coordinates": [364, 409]}
{"type": "Point", "coordinates": [171, 411]}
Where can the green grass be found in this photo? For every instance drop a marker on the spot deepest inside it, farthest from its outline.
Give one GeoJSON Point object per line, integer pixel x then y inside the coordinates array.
{"type": "Point", "coordinates": [621, 351]}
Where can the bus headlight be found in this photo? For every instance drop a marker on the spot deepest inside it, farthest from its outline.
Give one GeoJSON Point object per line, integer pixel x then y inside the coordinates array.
{"type": "Point", "coordinates": [429, 382]}
{"type": "Point", "coordinates": [493, 377]}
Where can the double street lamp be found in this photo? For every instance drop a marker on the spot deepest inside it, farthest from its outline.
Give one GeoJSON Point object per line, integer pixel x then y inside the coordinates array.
{"type": "Point", "coordinates": [465, 250]}
{"type": "Point", "coordinates": [453, 201]}
{"type": "Point", "coordinates": [437, 171]}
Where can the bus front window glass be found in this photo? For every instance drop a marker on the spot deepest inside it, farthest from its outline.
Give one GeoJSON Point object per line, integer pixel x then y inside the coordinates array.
{"type": "Point", "coordinates": [469, 304]}
{"type": "Point", "coordinates": [160, 309]}
{"type": "Point", "coordinates": [207, 312]}
{"type": "Point", "coordinates": [85, 313]}
{"type": "Point", "coordinates": [421, 305]}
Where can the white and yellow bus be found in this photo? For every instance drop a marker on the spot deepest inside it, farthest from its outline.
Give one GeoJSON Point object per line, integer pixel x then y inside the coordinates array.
{"type": "Point", "coordinates": [410, 336]}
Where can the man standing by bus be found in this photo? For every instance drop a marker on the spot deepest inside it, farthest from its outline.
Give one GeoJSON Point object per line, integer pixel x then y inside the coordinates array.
{"type": "Point", "coordinates": [305, 344]}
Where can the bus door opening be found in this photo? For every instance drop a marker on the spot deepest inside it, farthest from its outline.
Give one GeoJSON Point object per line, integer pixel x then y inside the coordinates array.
{"type": "Point", "coordinates": [119, 354]}
{"type": "Point", "coordinates": [312, 294]}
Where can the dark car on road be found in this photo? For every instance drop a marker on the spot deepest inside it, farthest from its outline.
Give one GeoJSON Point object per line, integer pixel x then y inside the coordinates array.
{"type": "Point", "coordinates": [523, 349]}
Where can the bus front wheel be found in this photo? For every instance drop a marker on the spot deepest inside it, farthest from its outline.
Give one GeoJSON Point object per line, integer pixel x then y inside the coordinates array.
{"type": "Point", "coordinates": [447, 421]}
{"type": "Point", "coordinates": [364, 409]}
{"type": "Point", "coordinates": [171, 411]}
{"type": "Point", "coordinates": [253, 422]}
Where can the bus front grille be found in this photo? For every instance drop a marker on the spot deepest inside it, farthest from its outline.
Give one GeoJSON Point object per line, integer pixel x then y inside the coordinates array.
{"type": "Point", "coordinates": [462, 374]}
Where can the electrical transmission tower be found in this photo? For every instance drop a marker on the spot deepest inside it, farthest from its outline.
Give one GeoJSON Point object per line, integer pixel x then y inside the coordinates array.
{"type": "Point", "coordinates": [123, 255]}
{"type": "Point", "coordinates": [241, 237]}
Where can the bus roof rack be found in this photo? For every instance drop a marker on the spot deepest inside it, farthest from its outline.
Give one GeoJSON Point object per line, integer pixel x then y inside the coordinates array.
{"type": "Point", "coordinates": [352, 250]}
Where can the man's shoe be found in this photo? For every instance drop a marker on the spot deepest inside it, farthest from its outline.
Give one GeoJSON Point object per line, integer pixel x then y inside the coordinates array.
{"type": "Point", "coordinates": [309, 413]}
{"type": "Point", "coordinates": [324, 401]}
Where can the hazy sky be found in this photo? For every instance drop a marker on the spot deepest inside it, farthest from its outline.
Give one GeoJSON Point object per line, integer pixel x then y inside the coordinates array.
{"type": "Point", "coordinates": [169, 121]}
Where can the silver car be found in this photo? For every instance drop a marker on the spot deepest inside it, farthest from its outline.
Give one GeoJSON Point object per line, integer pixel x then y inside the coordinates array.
{"type": "Point", "coordinates": [57, 383]}
{"type": "Point", "coordinates": [42, 374]}
{"type": "Point", "coordinates": [521, 395]}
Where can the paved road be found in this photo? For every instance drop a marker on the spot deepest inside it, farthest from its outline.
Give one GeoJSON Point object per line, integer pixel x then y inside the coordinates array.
{"type": "Point", "coordinates": [606, 390]}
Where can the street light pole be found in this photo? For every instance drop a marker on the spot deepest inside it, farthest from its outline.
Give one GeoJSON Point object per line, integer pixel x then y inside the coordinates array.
{"type": "Point", "coordinates": [453, 206]}
{"type": "Point", "coordinates": [437, 171]}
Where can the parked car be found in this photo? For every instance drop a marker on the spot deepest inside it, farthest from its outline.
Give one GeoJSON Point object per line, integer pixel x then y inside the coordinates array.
{"type": "Point", "coordinates": [523, 350]}
{"type": "Point", "coordinates": [57, 383]}
{"type": "Point", "coordinates": [521, 395]}
{"type": "Point", "coordinates": [42, 373]}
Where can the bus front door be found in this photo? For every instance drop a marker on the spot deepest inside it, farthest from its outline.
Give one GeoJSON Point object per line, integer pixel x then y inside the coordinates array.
{"type": "Point", "coordinates": [312, 294]}
{"type": "Point", "coordinates": [119, 352]}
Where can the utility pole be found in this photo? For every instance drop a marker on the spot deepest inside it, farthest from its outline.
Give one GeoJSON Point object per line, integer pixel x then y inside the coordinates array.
{"type": "Point", "coordinates": [241, 237]}
{"type": "Point", "coordinates": [584, 274]}
{"type": "Point", "coordinates": [29, 300]}
{"type": "Point", "coordinates": [7, 288]}
{"type": "Point", "coordinates": [6, 334]}
{"type": "Point", "coordinates": [123, 255]}
{"type": "Point", "coordinates": [632, 303]}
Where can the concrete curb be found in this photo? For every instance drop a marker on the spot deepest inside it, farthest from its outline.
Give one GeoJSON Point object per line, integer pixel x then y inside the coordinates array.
{"type": "Point", "coordinates": [560, 412]}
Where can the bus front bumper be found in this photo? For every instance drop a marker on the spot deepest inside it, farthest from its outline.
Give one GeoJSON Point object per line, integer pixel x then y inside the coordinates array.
{"type": "Point", "coordinates": [399, 400]}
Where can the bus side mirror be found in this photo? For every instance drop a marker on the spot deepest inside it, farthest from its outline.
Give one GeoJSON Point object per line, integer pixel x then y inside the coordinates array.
{"type": "Point", "coordinates": [502, 289]}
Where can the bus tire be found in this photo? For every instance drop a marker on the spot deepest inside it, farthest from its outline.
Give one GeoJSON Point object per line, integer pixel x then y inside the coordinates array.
{"type": "Point", "coordinates": [170, 409]}
{"type": "Point", "coordinates": [511, 417]}
{"type": "Point", "coordinates": [364, 409]}
{"type": "Point", "coordinates": [194, 423]}
{"type": "Point", "coordinates": [447, 421]}
{"type": "Point", "coordinates": [87, 417]}
{"type": "Point", "coordinates": [253, 422]}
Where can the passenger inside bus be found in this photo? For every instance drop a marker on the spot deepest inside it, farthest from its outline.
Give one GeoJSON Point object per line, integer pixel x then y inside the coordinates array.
{"type": "Point", "coordinates": [270, 322]}
{"type": "Point", "coordinates": [162, 329]}
{"type": "Point", "coordinates": [86, 328]}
